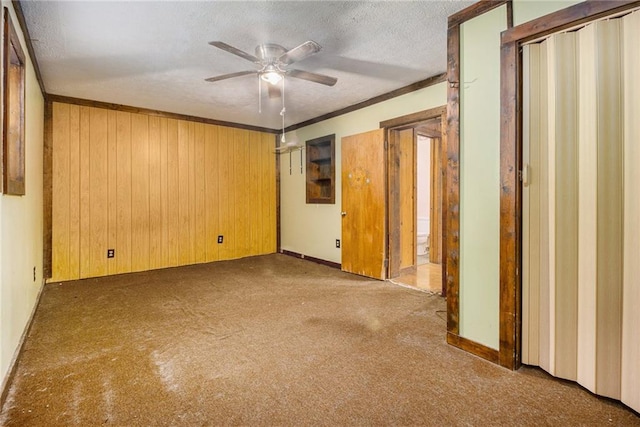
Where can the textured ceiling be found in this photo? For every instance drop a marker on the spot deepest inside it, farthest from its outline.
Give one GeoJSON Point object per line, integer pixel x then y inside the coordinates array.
{"type": "Point", "coordinates": [155, 54]}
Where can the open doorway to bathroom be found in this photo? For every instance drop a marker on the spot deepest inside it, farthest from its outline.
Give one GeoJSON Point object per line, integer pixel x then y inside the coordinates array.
{"type": "Point", "coordinates": [415, 154]}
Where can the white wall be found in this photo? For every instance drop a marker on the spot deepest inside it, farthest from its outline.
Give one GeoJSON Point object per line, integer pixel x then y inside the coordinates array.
{"type": "Point", "coordinates": [312, 229]}
{"type": "Point", "coordinates": [423, 177]}
{"type": "Point", "coordinates": [21, 226]}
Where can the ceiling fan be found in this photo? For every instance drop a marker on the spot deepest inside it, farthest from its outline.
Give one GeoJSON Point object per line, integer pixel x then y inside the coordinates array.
{"type": "Point", "coordinates": [273, 60]}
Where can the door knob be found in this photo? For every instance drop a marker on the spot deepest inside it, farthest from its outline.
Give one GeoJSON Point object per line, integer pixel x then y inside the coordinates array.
{"type": "Point", "coordinates": [343, 213]}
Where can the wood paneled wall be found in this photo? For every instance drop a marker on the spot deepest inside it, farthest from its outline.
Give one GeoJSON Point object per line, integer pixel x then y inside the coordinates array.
{"type": "Point", "coordinates": [580, 212]}
{"type": "Point", "coordinates": [158, 191]}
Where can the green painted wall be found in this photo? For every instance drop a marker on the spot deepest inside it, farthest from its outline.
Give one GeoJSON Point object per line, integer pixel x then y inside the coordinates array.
{"type": "Point", "coordinates": [480, 166]}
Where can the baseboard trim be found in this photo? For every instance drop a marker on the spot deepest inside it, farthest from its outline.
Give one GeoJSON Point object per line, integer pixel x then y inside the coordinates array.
{"type": "Point", "coordinates": [480, 350]}
{"type": "Point", "coordinates": [8, 379]}
{"type": "Point", "coordinates": [312, 259]}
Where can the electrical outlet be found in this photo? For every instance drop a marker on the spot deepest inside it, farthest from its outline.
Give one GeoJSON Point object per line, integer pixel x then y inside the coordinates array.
{"type": "Point", "coordinates": [111, 253]}
{"type": "Point", "coordinates": [337, 243]}
{"type": "Point", "coordinates": [220, 239]}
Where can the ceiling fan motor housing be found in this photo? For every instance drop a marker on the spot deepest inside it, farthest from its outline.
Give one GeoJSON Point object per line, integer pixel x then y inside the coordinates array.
{"type": "Point", "coordinates": [269, 52]}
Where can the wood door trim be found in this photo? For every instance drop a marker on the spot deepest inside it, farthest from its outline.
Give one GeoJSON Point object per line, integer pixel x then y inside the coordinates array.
{"type": "Point", "coordinates": [478, 349]}
{"type": "Point", "coordinates": [511, 158]}
{"type": "Point", "coordinates": [414, 118]}
{"type": "Point", "coordinates": [393, 183]}
{"type": "Point", "coordinates": [451, 201]}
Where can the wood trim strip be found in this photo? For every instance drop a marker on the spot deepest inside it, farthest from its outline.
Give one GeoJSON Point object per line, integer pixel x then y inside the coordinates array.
{"type": "Point", "coordinates": [480, 350]}
{"type": "Point", "coordinates": [566, 18]}
{"type": "Point", "coordinates": [47, 191]}
{"type": "Point", "coordinates": [451, 196]}
{"type": "Point", "coordinates": [155, 113]}
{"type": "Point", "coordinates": [476, 9]}
{"type": "Point", "coordinates": [414, 118]}
{"type": "Point", "coordinates": [375, 100]}
{"type": "Point", "coordinates": [17, 7]}
{"type": "Point", "coordinates": [510, 196]}
{"type": "Point", "coordinates": [310, 258]}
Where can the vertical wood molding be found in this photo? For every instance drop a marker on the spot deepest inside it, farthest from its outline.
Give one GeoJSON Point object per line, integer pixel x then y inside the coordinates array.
{"type": "Point", "coordinates": [47, 189]}
{"type": "Point", "coordinates": [451, 196]}
{"type": "Point", "coordinates": [509, 205]}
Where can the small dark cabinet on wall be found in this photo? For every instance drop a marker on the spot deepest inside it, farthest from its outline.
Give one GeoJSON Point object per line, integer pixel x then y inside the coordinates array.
{"type": "Point", "coordinates": [321, 170]}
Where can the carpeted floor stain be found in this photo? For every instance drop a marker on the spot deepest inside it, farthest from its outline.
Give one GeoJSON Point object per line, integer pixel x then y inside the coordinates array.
{"type": "Point", "coordinates": [269, 340]}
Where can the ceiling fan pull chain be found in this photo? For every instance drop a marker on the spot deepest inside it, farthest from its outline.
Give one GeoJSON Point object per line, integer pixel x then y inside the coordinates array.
{"type": "Point", "coordinates": [259, 95]}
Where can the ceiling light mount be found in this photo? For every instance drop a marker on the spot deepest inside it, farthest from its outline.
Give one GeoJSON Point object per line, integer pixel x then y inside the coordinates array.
{"type": "Point", "coordinates": [271, 74]}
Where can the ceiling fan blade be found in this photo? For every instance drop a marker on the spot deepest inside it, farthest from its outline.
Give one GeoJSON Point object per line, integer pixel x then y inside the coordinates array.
{"type": "Point", "coordinates": [299, 53]}
{"type": "Point", "coordinates": [312, 77]}
{"type": "Point", "coordinates": [274, 91]}
{"type": "Point", "coordinates": [235, 51]}
{"type": "Point", "coordinates": [229, 76]}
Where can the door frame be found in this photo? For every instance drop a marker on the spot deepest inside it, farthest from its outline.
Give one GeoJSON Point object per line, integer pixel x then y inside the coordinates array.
{"type": "Point", "coordinates": [393, 183]}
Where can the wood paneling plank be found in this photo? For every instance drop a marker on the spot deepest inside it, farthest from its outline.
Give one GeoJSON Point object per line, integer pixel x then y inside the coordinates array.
{"type": "Point", "coordinates": [74, 191]}
{"type": "Point", "coordinates": [211, 191]}
{"type": "Point", "coordinates": [112, 192]}
{"type": "Point", "coordinates": [225, 204]}
{"type": "Point", "coordinates": [191, 172]}
{"type": "Point", "coordinates": [60, 191]}
{"type": "Point", "coordinates": [200, 212]}
{"type": "Point", "coordinates": [98, 192]}
{"type": "Point", "coordinates": [184, 227]}
{"type": "Point", "coordinates": [164, 190]}
{"type": "Point", "coordinates": [123, 200]}
{"type": "Point", "coordinates": [241, 196]}
{"type": "Point", "coordinates": [139, 192]}
{"type": "Point", "coordinates": [155, 194]}
{"type": "Point", "coordinates": [174, 195]}
{"type": "Point", "coordinates": [256, 212]}
{"type": "Point", "coordinates": [85, 194]}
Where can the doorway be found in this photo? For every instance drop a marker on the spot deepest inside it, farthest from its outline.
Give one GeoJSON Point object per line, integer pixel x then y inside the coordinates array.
{"type": "Point", "coordinates": [415, 189]}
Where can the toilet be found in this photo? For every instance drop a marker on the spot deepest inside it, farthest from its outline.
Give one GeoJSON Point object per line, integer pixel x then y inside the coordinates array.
{"type": "Point", "coordinates": [423, 236]}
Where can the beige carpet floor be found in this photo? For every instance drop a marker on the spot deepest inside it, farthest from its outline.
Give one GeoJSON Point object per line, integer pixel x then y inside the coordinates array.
{"type": "Point", "coordinates": [270, 340]}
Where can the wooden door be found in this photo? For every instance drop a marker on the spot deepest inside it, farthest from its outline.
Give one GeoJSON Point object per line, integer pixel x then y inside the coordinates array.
{"type": "Point", "coordinates": [363, 204]}
{"type": "Point", "coordinates": [437, 172]}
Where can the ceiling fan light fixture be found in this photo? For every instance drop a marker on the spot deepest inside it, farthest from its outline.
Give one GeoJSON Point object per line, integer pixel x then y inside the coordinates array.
{"type": "Point", "coordinates": [271, 76]}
